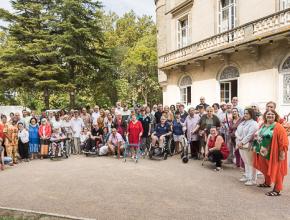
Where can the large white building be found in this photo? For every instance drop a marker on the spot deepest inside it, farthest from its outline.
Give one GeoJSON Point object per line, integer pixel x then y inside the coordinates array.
{"type": "Point", "coordinates": [224, 48]}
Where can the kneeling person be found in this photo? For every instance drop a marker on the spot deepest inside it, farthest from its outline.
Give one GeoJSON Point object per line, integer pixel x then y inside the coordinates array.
{"type": "Point", "coordinates": [115, 143]}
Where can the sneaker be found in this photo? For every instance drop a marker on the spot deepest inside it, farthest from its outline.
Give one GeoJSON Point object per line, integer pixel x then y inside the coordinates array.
{"type": "Point", "coordinates": [217, 169]}
{"type": "Point", "coordinates": [243, 179]}
{"type": "Point", "coordinates": [250, 183]}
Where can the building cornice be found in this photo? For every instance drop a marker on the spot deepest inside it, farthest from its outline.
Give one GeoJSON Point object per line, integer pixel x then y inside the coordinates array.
{"type": "Point", "coordinates": [180, 7]}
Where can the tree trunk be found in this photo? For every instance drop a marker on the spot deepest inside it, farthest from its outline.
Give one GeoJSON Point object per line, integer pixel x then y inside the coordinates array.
{"type": "Point", "coordinates": [72, 98]}
{"type": "Point", "coordinates": [46, 98]}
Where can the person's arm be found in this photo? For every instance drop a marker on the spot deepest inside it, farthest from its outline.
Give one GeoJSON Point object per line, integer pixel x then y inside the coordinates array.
{"type": "Point", "coordinates": [251, 132]}
{"type": "Point", "coordinates": [282, 142]}
{"type": "Point", "coordinates": [141, 130]}
{"type": "Point", "coordinates": [195, 129]}
{"type": "Point", "coordinates": [206, 147]}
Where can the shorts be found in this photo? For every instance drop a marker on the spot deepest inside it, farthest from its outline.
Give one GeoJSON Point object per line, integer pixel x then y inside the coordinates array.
{"type": "Point", "coordinates": [177, 138]}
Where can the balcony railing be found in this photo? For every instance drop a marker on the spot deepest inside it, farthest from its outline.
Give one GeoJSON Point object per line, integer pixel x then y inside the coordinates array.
{"type": "Point", "coordinates": [267, 26]}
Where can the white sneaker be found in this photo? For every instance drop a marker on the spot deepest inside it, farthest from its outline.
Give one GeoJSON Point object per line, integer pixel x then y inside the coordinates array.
{"type": "Point", "coordinates": [243, 179]}
{"type": "Point", "coordinates": [250, 183]}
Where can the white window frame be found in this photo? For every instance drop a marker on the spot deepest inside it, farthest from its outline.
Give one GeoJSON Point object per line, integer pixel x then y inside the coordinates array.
{"type": "Point", "coordinates": [182, 41]}
{"type": "Point", "coordinates": [231, 11]}
{"type": "Point", "coordinates": [183, 91]}
{"type": "Point", "coordinates": [224, 98]}
{"type": "Point", "coordinates": [284, 4]}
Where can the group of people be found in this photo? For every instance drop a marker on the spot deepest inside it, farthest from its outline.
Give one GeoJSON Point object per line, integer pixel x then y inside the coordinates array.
{"type": "Point", "coordinates": [221, 133]}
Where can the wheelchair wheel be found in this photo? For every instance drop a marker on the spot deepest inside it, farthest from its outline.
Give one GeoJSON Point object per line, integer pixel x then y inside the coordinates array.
{"type": "Point", "coordinates": [150, 153]}
{"type": "Point", "coordinates": [170, 146]}
{"type": "Point", "coordinates": [165, 156]}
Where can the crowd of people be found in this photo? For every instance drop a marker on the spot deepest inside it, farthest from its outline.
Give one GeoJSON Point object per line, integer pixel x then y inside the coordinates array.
{"type": "Point", "coordinates": [221, 133]}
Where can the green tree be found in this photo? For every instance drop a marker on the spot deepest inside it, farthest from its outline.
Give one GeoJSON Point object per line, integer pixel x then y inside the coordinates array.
{"type": "Point", "coordinates": [30, 59]}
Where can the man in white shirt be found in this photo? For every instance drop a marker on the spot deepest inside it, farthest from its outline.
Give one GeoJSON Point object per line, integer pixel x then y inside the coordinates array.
{"type": "Point", "coordinates": [95, 114]}
{"type": "Point", "coordinates": [235, 102]}
{"type": "Point", "coordinates": [77, 125]}
{"type": "Point", "coordinates": [119, 109]}
{"type": "Point", "coordinates": [116, 143]}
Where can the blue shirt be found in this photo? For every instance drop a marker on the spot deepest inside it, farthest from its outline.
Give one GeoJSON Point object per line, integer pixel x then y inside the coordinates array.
{"type": "Point", "coordinates": [161, 130]}
{"type": "Point", "coordinates": [177, 128]}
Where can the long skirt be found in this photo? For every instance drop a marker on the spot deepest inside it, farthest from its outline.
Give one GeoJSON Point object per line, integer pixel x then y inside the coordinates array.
{"type": "Point", "coordinates": [44, 147]}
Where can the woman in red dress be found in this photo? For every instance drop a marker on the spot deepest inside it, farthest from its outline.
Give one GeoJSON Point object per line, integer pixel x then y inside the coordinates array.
{"type": "Point", "coordinates": [135, 131]}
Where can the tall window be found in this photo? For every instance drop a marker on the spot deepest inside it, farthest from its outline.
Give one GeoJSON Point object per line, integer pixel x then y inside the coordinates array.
{"type": "Point", "coordinates": [284, 4]}
{"type": "Point", "coordinates": [183, 32]}
{"type": "Point", "coordinates": [286, 81]}
{"type": "Point", "coordinates": [185, 90]}
{"type": "Point", "coordinates": [229, 83]}
{"type": "Point", "coordinates": [227, 15]}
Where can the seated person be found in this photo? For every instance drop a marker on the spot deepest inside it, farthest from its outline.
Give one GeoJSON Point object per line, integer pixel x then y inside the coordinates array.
{"type": "Point", "coordinates": [85, 135]}
{"type": "Point", "coordinates": [95, 138]}
{"type": "Point", "coordinates": [115, 143]}
{"type": "Point", "coordinates": [177, 130]}
{"type": "Point", "coordinates": [57, 140]}
{"type": "Point", "coordinates": [216, 149]}
{"type": "Point", "coordinates": [161, 131]}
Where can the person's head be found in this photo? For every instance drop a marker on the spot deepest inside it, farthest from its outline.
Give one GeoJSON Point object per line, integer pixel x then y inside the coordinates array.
{"type": "Point", "coordinates": [109, 116]}
{"type": "Point", "coordinates": [154, 108]}
{"type": "Point", "coordinates": [106, 130]}
{"type": "Point", "coordinates": [57, 118]}
{"type": "Point", "coordinates": [209, 111]}
{"type": "Point", "coordinates": [114, 131]}
{"type": "Point", "coordinates": [181, 108]}
{"type": "Point", "coordinates": [166, 108]}
{"type": "Point", "coordinates": [177, 115]}
{"type": "Point", "coordinates": [235, 112]}
{"type": "Point", "coordinates": [213, 131]}
{"type": "Point", "coordinates": [200, 109]}
{"type": "Point", "coordinates": [96, 108]}
{"type": "Point", "coordinates": [216, 106]}
{"type": "Point", "coordinates": [133, 116]}
{"type": "Point", "coordinates": [235, 101]}
{"type": "Point", "coordinates": [172, 108]}
{"type": "Point", "coordinates": [43, 114]}
{"type": "Point", "coordinates": [33, 121]}
{"type": "Point", "coordinates": [118, 105]}
{"type": "Point", "coordinates": [76, 113]}
{"type": "Point", "coordinates": [14, 120]}
{"type": "Point", "coordinates": [163, 120]}
{"type": "Point", "coordinates": [113, 110]}
{"type": "Point", "coordinates": [143, 111]}
{"type": "Point", "coordinates": [191, 111]}
{"type": "Point", "coordinates": [43, 121]}
{"type": "Point", "coordinates": [223, 106]}
{"type": "Point", "coordinates": [160, 107]}
{"type": "Point", "coordinates": [56, 130]}
{"type": "Point", "coordinates": [11, 115]}
{"type": "Point", "coordinates": [271, 116]}
{"type": "Point", "coordinates": [147, 110]}
{"type": "Point", "coordinates": [4, 119]}
{"type": "Point", "coordinates": [102, 113]}
{"type": "Point", "coordinates": [20, 126]}
{"type": "Point", "coordinates": [202, 100]}
{"type": "Point", "coordinates": [271, 106]}
{"type": "Point", "coordinates": [84, 111]}
{"type": "Point", "coordinates": [17, 116]}
{"type": "Point", "coordinates": [125, 107]}
{"type": "Point", "coordinates": [229, 107]}
{"type": "Point", "coordinates": [119, 116]}
{"type": "Point", "coordinates": [66, 118]}
{"type": "Point", "coordinates": [24, 113]}
{"type": "Point", "coordinates": [50, 114]}
{"type": "Point", "coordinates": [255, 107]}
{"type": "Point", "coordinates": [249, 114]}
{"type": "Point", "coordinates": [86, 130]}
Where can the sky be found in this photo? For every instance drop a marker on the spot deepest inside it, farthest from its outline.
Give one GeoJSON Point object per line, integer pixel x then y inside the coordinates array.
{"type": "Point", "coordinates": [140, 7]}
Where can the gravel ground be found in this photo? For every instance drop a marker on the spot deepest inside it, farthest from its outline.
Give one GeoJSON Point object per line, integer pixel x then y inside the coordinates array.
{"type": "Point", "coordinates": [107, 188]}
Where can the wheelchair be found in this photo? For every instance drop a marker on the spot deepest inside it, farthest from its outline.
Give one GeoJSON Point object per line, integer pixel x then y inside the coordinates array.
{"type": "Point", "coordinates": [162, 152]}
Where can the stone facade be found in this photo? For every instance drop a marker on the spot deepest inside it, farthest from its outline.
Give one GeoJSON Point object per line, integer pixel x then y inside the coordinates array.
{"type": "Point", "coordinates": [249, 59]}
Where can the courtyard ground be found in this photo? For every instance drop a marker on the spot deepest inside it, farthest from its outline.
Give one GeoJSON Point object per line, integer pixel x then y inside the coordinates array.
{"type": "Point", "coordinates": [107, 188]}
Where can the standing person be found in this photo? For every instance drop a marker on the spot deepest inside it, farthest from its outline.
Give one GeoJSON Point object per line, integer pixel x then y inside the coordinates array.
{"type": "Point", "coordinates": [109, 122]}
{"type": "Point", "coordinates": [33, 138]}
{"type": "Point", "coordinates": [126, 112]}
{"type": "Point", "coordinates": [135, 131]}
{"type": "Point", "coordinates": [271, 152]}
{"type": "Point", "coordinates": [57, 122]}
{"type": "Point", "coordinates": [235, 102]}
{"type": "Point", "coordinates": [183, 113]}
{"type": "Point", "coordinates": [244, 138]}
{"type": "Point", "coordinates": [25, 118]}
{"type": "Point", "coordinates": [23, 145]}
{"type": "Point", "coordinates": [202, 102]}
{"type": "Point", "coordinates": [216, 109]}
{"type": "Point", "coordinates": [158, 114]}
{"type": "Point", "coordinates": [120, 125]}
{"type": "Point", "coordinates": [168, 114]}
{"type": "Point", "coordinates": [67, 131]}
{"type": "Point", "coordinates": [233, 125]}
{"type": "Point", "coordinates": [77, 126]}
{"type": "Point", "coordinates": [119, 109]}
{"type": "Point", "coordinates": [154, 109]}
{"type": "Point", "coordinates": [95, 114]}
{"type": "Point", "coordinates": [177, 130]}
{"type": "Point", "coordinates": [44, 132]}
{"type": "Point", "coordinates": [11, 139]}
{"type": "Point", "coordinates": [86, 119]}
{"type": "Point", "coordinates": [191, 122]}
{"type": "Point", "coordinates": [172, 109]}
{"type": "Point", "coordinates": [146, 125]}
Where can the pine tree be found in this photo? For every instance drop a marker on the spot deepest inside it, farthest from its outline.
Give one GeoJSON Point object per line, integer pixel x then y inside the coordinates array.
{"type": "Point", "coordinates": [31, 59]}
